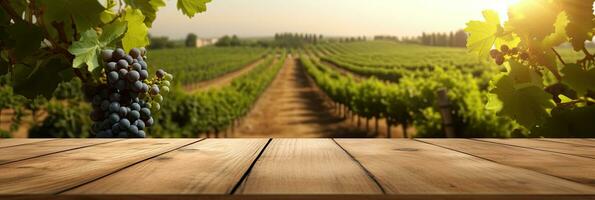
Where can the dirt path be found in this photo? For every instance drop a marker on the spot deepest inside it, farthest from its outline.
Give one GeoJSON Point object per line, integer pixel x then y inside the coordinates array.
{"type": "Point", "coordinates": [222, 80]}
{"type": "Point", "coordinates": [293, 107]}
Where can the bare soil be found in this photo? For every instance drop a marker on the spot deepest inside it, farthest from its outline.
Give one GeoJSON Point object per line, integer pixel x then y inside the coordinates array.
{"type": "Point", "coordinates": [294, 107]}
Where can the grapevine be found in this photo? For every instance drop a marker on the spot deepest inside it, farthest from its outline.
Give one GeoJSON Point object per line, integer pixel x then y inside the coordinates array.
{"type": "Point", "coordinates": [47, 42]}
{"type": "Point", "coordinates": [543, 92]}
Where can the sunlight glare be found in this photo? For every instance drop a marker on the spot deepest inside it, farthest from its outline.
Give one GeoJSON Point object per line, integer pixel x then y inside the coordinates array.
{"type": "Point", "coordinates": [501, 6]}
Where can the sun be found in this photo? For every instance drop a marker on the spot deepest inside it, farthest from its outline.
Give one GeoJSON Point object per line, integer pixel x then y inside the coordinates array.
{"type": "Point", "coordinates": [501, 6]}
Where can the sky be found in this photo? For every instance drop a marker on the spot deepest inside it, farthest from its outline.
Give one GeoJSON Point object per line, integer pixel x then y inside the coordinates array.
{"type": "Point", "coordinates": [261, 18]}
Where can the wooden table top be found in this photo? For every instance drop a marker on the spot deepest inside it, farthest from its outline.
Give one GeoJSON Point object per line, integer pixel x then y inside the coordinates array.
{"type": "Point", "coordinates": [297, 168]}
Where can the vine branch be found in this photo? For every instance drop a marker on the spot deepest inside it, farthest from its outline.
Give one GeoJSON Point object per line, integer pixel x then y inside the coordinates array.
{"type": "Point", "coordinates": [13, 14]}
{"type": "Point", "coordinates": [559, 57]}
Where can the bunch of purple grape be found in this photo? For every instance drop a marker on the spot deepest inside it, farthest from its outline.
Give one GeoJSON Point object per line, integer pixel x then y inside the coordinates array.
{"type": "Point", "coordinates": [122, 106]}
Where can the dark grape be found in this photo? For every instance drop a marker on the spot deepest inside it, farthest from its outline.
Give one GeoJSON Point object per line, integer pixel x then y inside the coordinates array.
{"type": "Point", "coordinates": [135, 106]}
{"type": "Point", "coordinates": [143, 65]}
{"type": "Point", "coordinates": [134, 130]}
{"type": "Point", "coordinates": [114, 107]}
{"type": "Point", "coordinates": [123, 72]}
{"type": "Point", "coordinates": [140, 124]}
{"type": "Point", "coordinates": [116, 128]}
{"type": "Point", "coordinates": [133, 76]}
{"type": "Point", "coordinates": [160, 73]}
{"type": "Point", "coordinates": [112, 77]}
{"type": "Point", "coordinates": [154, 90]}
{"type": "Point", "coordinates": [504, 49]}
{"type": "Point", "coordinates": [118, 54]}
{"type": "Point", "coordinates": [134, 115]}
{"type": "Point", "coordinates": [113, 118]}
{"type": "Point", "coordinates": [138, 86]}
{"type": "Point", "coordinates": [143, 74]}
{"type": "Point", "coordinates": [149, 122]}
{"type": "Point", "coordinates": [142, 134]}
{"type": "Point", "coordinates": [122, 64]}
{"type": "Point", "coordinates": [124, 123]}
{"type": "Point", "coordinates": [145, 113]}
{"type": "Point", "coordinates": [121, 84]}
{"type": "Point", "coordinates": [129, 59]}
{"type": "Point", "coordinates": [494, 53]}
{"type": "Point", "coordinates": [500, 60]}
{"type": "Point", "coordinates": [514, 51]}
{"type": "Point", "coordinates": [137, 67]}
{"type": "Point", "coordinates": [123, 111]}
{"type": "Point", "coordinates": [135, 53]}
{"type": "Point", "coordinates": [145, 88]}
{"type": "Point", "coordinates": [111, 66]}
{"type": "Point", "coordinates": [106, 54]}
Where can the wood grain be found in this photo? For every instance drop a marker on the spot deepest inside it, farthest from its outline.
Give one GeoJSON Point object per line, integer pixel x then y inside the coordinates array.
{"type": "Point", "coordinates": [307, 166]}
{"type": "Point", "coordinates": [212, 166]}
{"type": "Point", "coordinates": [15, 142]}
{"type": "Point", "coordinates": [572, 149]}
{"type": "Point", "coordinates": [577, 141]}
{"type": "Point", "coordinates": [36, 149]}
{"type": "Point", "coordinates": [578, 169]}
{"type": "Point", "coordinates": [412, 167]}
{"type": "Point", "coordinates": [61, 171]}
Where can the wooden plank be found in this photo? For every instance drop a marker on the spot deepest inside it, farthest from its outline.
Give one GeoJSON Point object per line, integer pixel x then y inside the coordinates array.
{"type": "Point", "coordinates": [58, 172]}
{"type": "Point", "coordinates": [16, 142]}
{"type": "Point", "coordinates": [570, 167]}
{"type": "Point", "coordinates": [412, 167]}
{"type": "Point", "coordinates": [212, 166]}
{"type": "Point", "coordinates": [572, 149]}
{"type": "Point", "coordinates": [36, 149]}
{"type": "Point", "coordinates": [577, 141]}
{"type": "Point", "coordinates": [307, 166]}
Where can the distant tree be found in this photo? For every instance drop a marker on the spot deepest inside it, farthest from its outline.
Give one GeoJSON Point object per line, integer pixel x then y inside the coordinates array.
{"type": "Point", "coordinates": [191, 40]}
{"type": "Point", "coordinates": [235, 41]}
{"type": "Point", "coordinates": [224, 41]}
{"type": "Point", "coordinates": [160, 42]}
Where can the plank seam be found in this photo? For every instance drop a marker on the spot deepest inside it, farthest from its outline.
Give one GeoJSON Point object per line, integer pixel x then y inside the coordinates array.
{"type": "Point", "coordinates": [569, 143]}
{"type": "Point", "coordinates": [127, 166]}
{"type": "Point", "coordinates": [65, 150]}
{"type": "Point", "coordinates": [500, 163]}
{"type": "Point", "coordinates": [532, 148]}
{"type": "Point", "coordinates": [28, 143]}
{"type": "Point", "coordinates": [245, 175]}
{"type": "Point", "coordinates": [362, 167]}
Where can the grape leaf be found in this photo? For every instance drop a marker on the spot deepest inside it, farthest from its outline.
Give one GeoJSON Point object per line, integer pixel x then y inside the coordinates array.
{"type": "Point", "coordinates": [578, 79]}
{"type": "Point", "coordinates": [527, 105]}
{"type": "Point", "coordinates": [523, 76]}
{"type": "Point", "coordinates": [149, 8]}
{"type": "Point", "coordinates": [85, 13]}
{"type": "Point", "coordinates": [136, 36]}
{"type": "Point", "coordinates": [31, 81]}
{"type": "Point", "coordinates": [25, 38]}
{"type": "Point", "coordinates": [86, 50]}
{"type": "Point", "coordinates": [581, 21]}
{"type": "Point", "coordinates": [533, 19]}
{"type": "Point", "coordinates": [568, 122]}
{"type": "Point", "coordinates": [483, 34]}
{"type": "Point", "coordinates": [191, 7]}
{"type": "Point", "coordinates": [559, 35]}
{"type": "Point", "coordinates": [111, 32]}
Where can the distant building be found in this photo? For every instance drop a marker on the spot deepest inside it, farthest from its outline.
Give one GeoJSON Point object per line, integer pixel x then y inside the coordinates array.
{"type": "Point", "coordinates": [201, 42]}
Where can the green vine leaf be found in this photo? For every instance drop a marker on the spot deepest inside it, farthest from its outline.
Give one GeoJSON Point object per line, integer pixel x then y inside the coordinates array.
{"type": "Point", "coordinates": [41, 79]}
{"type": "Point", "coordinates": [86, 50]}
{"type": "Point", "coordinates": [482, 35]}
{"type": "Point", "coordinates": [578, 79]}
{"type": "Point", "coordinates": [111, 32]}
{"type": "Point", "coordinates": [24, 38]}
{"type": "Point", "coordinates": [559, 36]}
{"type": "Point", "coordinates": [528, 105]}
{"type": "Point", "coordinates": [523, 75]}
{"type": "Point", "coordinates": [149, 8]}
{"type": "Point", "coordinates": [191, 7]}
{"type": "Point", "coordinates": [581, 21]}
{"type": "Point", "coordinates": [85, 13]}
{"type": "Point", "coordinates": [136, 36]}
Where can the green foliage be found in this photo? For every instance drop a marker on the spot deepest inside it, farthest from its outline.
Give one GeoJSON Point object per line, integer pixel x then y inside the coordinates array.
{"type": "Point", "coordinates": [46, 42]}
{"type": "Point", "coordinates": [548, 94]}
{"type": "Point", "coordinates": [68, 119]}
{"type": "Point", "coordinates": [186, 115]}
{"type": "Point", "coordinates": [198, 64]}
